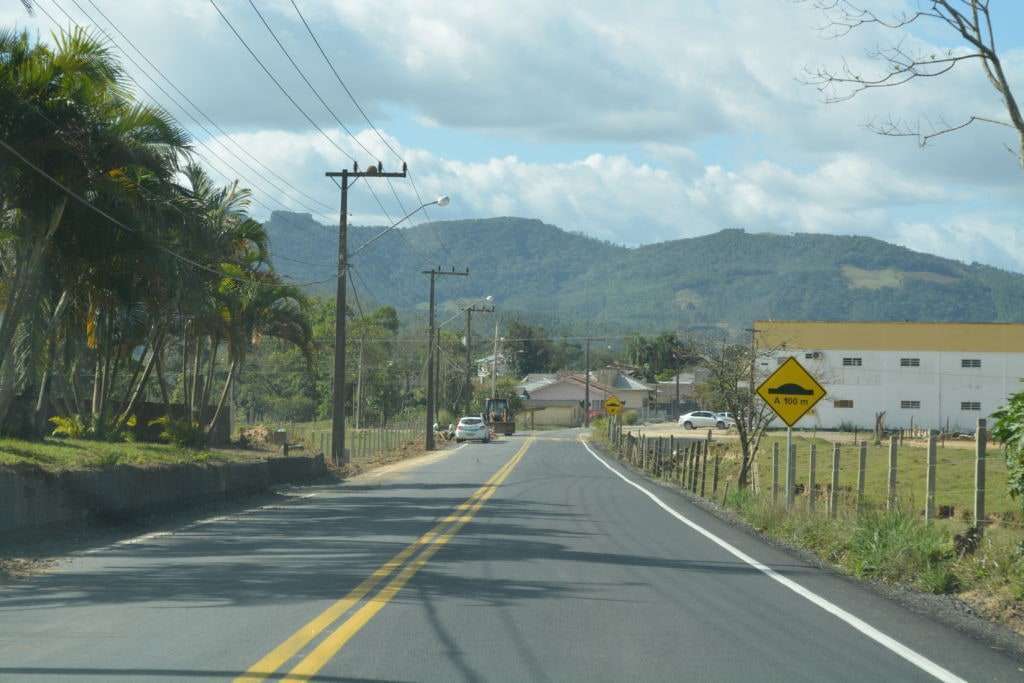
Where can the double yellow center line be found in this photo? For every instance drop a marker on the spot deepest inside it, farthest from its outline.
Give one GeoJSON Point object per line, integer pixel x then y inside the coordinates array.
{"type": "Point", "coordinates": [427, 545]}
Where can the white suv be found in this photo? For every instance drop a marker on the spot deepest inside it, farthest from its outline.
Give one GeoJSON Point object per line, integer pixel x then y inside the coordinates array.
{"type": "Point", "coordinates": [472, 428]}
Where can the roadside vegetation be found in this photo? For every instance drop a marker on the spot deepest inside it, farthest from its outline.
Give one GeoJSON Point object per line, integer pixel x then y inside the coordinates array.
{"type": "Point", "coordinates": [56, 455]}
{"type": "Point", "coordinates": [128, 273]}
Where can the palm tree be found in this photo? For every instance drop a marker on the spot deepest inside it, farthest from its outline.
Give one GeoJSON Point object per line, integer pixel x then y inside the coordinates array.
{"type": "Point", "coordinates": [69, 120]}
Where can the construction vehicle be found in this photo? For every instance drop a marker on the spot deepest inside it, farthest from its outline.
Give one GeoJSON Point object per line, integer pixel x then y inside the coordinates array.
{"type": "Point", "coordinates": [498, 416]}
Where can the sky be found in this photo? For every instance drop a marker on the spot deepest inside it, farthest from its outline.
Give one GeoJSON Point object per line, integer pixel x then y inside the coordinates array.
{"type": "Point", "coordinates": [630, 122]}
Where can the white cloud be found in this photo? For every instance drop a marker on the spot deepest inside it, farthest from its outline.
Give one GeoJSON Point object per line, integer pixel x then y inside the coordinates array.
{"type": "Point", "coordinates": [699, 100]}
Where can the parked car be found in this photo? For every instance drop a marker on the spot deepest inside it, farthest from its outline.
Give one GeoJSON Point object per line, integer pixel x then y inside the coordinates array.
{"type": "Point", "coordinates": [727, 420]}
{"type": "Point", "coordinates": [472, 428]}
{"type": "Point", "coordinates": [699, 419]}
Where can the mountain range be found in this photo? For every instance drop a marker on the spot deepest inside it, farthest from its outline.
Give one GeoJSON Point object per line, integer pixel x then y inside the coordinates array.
{"type": "Point", "coordinates": [569, 281]}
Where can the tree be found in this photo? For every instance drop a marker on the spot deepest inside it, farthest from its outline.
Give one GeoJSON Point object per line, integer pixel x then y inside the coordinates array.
{"type": "Point", "coordinates": [67, 117]}
{"type": "Point", "coordinates": [662, 356]}
{"type": "Point", "coordinates": [969, 20]}
{"type": "Point", "coordinates": [728, 387]}
{"type": "Point", "coordinates": [1009, 430]}
{"type": "Point", "coordinates": [529, 348]}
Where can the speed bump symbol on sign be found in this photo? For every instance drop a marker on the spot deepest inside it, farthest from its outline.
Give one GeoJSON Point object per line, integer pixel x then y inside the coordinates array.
{"type": "Point", "coordinates": [612, 405]}
{"type": "Point", "coordinates": [791, 391]}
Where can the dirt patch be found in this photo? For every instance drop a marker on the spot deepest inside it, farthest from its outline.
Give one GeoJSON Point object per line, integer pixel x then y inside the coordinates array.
{"type": "Point", "coordinates": [998, 606]}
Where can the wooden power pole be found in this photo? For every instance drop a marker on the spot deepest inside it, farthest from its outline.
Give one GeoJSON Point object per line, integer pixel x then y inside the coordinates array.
{"type": "Point", "coordinates": [338, 454]}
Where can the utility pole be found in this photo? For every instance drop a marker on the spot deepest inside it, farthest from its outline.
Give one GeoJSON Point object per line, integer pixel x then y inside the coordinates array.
{"type": "Point", "coordinates": [469, 345]}
{"type": "Point", "coordinates": [431, 389]}
{"type": "Point", "coordinates": [586, 391]}
{"type": "Point", "coordinates": [338, 454]}
{"type": "Point", "coordinates": [494, 364]}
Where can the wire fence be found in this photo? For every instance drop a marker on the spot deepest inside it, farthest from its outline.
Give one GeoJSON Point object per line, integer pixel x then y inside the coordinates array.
{"type": "Point", "coordinates": [365, 444]}
{"type": "Point", "coordinates": [949, 485]}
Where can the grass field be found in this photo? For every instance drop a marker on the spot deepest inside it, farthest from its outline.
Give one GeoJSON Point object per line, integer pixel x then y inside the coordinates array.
{"type": "Point", "coordinates": [55, 455]}
{"type": "Point", "coordinates": [954, 475]}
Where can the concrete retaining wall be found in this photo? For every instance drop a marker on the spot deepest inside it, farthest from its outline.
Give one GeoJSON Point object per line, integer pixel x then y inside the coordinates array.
{"type": "Point", "coordinates": [31, 500]}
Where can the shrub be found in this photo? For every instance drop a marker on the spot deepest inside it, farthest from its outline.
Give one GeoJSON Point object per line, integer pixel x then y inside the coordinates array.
{"type": "Point", "coordinates": [69, 427]}
{"type": "Point", "coordinates": [630, 417]}
{"type": "Point", "coordinates": [182, 433]}
{"type": "Point", "coordinates": [895, 546]}
{"type": "Point", "coordinates": [79, 427]}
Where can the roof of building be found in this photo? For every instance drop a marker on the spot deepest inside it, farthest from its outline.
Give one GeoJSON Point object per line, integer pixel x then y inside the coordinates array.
{"type": "Point", "coordinates": [890, 336]}
{"type": "Point", "coordinates": [624, 381]}
{"type": "Point", "coordinates": [684, 378]}
{"type": "Point", "coordinates": [535, 381]}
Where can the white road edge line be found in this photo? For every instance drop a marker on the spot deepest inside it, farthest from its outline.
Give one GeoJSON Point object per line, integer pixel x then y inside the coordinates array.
{"type": "Point", "coordinates": [219, 518]}
{"type": "Point", "coordinates": [198, 523]}
{"type": "Point", "coordinates": [891, 644]}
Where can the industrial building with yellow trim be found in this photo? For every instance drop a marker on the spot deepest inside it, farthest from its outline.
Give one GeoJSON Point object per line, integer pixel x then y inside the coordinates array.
{"type": "Point", "coordinates": [921, 374]}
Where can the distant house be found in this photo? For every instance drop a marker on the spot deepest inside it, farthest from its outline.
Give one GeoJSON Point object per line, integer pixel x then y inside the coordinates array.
{"type": "Point", "coordinates": [564, 394]}
{"type": "Point", "coordinates": [484, 365]}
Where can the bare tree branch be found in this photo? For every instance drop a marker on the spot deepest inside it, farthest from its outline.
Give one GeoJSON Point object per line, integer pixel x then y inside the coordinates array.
{"type": "Point", "coordinates": [968, 19]}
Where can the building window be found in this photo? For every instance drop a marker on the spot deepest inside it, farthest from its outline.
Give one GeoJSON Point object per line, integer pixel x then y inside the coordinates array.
{"type": "Point", "coordinates": [970, 405]}
{"type": "Point", "coordinates": [851, 362]}
{"type": "Point", "coordinates": [910, 362]}
{"type": "Point", "coordinates": [970, 362]}
{"type": "Point", "coordinates": [910, 405]}
{"type": "Point", "coordinates": [843, 402]}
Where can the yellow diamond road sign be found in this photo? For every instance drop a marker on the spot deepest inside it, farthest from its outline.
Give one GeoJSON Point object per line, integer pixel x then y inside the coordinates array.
{"type": "Point", "coordinates": [791, 391]}
{"type": "Point", "coordinates": [612, 405]}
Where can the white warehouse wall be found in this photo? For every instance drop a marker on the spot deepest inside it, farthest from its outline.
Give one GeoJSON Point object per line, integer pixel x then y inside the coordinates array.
{"type": "Point", "coordinates": [881, 383]}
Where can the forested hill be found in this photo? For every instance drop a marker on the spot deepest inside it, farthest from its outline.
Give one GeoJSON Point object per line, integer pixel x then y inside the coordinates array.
{"type": "Point", "coordinates": [558, 277]}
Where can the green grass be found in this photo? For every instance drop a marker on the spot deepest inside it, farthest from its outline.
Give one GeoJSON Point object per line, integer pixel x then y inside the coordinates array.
{"type": "Point", "coordinates": [954, 475]}
{"type": "Point", "coordinates": [55, 455]}
{"type": "Point", "coordinates": [859, 278]}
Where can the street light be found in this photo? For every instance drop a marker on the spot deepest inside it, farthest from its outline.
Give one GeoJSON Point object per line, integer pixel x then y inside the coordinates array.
{"type": "Point", "coordinates": [443, 200]}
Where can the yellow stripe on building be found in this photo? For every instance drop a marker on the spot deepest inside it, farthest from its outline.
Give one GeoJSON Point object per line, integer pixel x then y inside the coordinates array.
{"type": "Point", "coordinates": [891, 336]}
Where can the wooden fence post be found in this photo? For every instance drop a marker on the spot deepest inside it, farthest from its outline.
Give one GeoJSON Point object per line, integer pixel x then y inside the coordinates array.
{"type": "Point", "coordinates": [790, 476]}
{"type": "Point", "coordinates": [893, 461]}
{"type": "Point", "coordinates": [929, 489]}
{"type": "Point", "coordinates": [775, 472]}
{"type": "Point", "coordinates": [812, 466]}
{"type": "Point", "coordinates": [714, 476]}
{"type": "Point", "coordinates": [693, 466]}
{"type": "Point", "coordinates": [704, 467]}
{"type": "Point", "coordinates": [833, 501]}
{"type": "Point", "coordinates": [980, 437]}
{"type": "Point", "coordinates": [861, 472]}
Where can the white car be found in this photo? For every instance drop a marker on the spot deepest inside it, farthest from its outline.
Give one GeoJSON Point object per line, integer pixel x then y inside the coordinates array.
{"type": "Point", "coordinates": [727, 419]}
{"type": "Point", "coordinates": [702, 419]}
{"type": "Point", "coordinates": [472, 428]}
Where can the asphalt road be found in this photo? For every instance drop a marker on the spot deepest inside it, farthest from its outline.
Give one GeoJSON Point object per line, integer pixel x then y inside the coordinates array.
{"type": "Point", "coordinates": [523, 559]}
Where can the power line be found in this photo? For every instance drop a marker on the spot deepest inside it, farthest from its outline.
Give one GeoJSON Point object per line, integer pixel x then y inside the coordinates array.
{"type": "Point", "coordinates": [328, 108]}
{"type": "Point", "coordinates": [126, 228]}
{"type": "Point", "coordinates": [204, 114]}
{"type": "Point", "coordinates": [291, 99]}
{"type": "Point", "coordinates": [278, 83]}
{"type": "Point", "coordinates": [202, 143]}
{"type": "Point", "coordinates": [359, 305]}
{"type": "Point", "coordinates": [362, 111]}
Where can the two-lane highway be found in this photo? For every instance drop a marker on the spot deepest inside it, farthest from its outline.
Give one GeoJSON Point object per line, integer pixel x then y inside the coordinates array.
{"type": "Point", "coordinates": [530, 558]}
